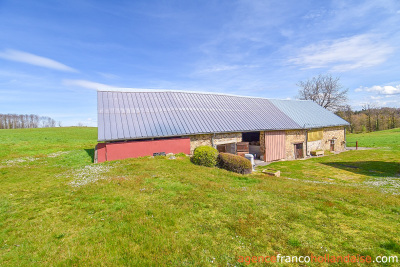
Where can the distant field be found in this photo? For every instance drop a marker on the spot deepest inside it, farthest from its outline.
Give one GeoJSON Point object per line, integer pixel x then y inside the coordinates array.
{"type": "Point", "coordinates": [58, 208]}
{"type": "Point", "coordinates": [388, 138]}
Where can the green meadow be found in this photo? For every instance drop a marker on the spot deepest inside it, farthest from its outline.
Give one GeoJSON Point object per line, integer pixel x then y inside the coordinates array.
{"type": "Point", "coordinates": [58, 208]}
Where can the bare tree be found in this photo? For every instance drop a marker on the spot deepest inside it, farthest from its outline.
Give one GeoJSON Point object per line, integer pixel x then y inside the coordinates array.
{"type": "Point", "coordinates": [324, 90]}
{"type": "Point", "coordinates": [368, 110]}
{"type": "Point", "coordinates": [347, 113]}
{"type": "Point", "coordinates": [16, 121]}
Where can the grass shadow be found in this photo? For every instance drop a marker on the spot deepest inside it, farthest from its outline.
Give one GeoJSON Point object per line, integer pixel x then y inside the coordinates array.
{"type": "Point", "coordinates": [369, 168]}
{"type": "Point", "coordinates": [90, 152]}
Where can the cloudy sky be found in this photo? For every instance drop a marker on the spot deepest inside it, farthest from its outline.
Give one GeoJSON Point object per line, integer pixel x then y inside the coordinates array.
{"type": "Point", "coordinates": [55, 54]}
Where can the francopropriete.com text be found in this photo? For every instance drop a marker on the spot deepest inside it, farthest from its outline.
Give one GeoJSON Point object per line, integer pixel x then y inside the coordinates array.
{"type": "Point", "coordinates": [319, 259]}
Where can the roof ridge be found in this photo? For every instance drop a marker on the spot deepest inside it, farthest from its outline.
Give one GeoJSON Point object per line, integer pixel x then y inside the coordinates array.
{"type": "Point", "coordinates": [144, 90]}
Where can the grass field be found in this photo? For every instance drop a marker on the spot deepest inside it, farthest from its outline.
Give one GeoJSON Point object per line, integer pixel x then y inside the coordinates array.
{"type": "Point", "coordinates": [57, 208]}
{"type": "Point", "coordinates": [389, 139]}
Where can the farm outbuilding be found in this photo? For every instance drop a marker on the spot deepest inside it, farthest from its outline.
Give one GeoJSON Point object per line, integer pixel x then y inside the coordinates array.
{"type": "Point", "coordinates": [153, 122]}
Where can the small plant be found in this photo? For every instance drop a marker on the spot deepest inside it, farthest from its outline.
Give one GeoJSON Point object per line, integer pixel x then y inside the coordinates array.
{"type": "Point", "coordinates": [234, 163]}
{"type": "Point", "coordinates": [205, 156]}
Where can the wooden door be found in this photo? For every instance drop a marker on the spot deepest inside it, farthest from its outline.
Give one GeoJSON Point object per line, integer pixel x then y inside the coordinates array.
{"type": "Point", "coordinates": [274, 145]}
{"type": "Point", "coordinates": [221, 148]}
{"type": "Point", "coordinates": [298, 151]}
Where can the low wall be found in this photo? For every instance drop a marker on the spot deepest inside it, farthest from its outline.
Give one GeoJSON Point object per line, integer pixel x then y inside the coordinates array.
{"type": "Point", "coordinates": [134, 149]}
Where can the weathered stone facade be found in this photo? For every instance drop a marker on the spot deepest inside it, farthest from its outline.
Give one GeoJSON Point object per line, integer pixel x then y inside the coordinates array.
{"type": "Point", "coordinates": [294, 137]}
{"type": "Point", "coordinates": [336, 133]}
{"type": "Point", "coordinates": [211, 139]}
{"type": "Point", "coordinates": [199, 140]}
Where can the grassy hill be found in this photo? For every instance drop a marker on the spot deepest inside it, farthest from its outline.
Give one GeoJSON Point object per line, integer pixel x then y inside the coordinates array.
{"type": "Point", "coordinates": [57, 208]}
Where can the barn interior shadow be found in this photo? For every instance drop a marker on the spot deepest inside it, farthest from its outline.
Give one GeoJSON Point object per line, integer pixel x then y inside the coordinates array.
{"type": "Point", "coordinates": [369, 168]}
{"type": "Point", "coordinates": [90, 152]}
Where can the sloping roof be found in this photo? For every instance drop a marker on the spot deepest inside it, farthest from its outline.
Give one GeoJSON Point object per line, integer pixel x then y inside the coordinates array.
{"type": "Point", "coordinates": [308, 114]}
{"type": "Point", "coordinates": [149, 114]}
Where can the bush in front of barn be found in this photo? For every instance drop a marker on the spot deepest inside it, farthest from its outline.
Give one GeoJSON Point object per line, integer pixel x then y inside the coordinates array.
{"type": "Point", "coordinates": [234, 163]}
{"type": "Point", "coordinates": [205, 156]}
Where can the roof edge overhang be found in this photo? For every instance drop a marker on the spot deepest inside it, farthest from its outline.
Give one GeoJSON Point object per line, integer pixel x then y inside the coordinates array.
{"type": "Point", "coordinates": [220, 132]}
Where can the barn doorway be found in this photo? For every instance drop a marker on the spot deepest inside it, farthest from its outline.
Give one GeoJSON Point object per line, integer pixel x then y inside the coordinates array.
{"type": "Point", "coordinates": [253, 138]}
{"type": "Point", "coordinates": [274, 145]}
{"type": "Point", "coordinates": [298, 151]}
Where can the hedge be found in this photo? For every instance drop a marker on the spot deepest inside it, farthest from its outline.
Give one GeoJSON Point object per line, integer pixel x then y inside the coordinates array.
{"type": "Point", "coordinates": [234, 163]}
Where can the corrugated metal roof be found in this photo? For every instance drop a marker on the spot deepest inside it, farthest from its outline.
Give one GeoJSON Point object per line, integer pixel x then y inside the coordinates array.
{"type": "Point", "coordinates": [149, 114]}
{"type": "Point", "coordinates": [308, 114]}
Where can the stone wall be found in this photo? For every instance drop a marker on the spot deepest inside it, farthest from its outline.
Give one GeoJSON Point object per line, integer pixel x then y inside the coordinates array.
{"type": "Point", "coordinates": [199, 140]}
{"type": "Point", "coordinates": [262, 143]}
{"type": "Point", "coordinates": [209, 139]}
{"type": "Point", "coordinates": [336, 133]}
{"type": "Point", "coordinates": [294, 137]}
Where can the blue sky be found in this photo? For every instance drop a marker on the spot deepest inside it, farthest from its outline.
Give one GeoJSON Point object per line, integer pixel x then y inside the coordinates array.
{"type": "Point", "coordinates": [55, 54]}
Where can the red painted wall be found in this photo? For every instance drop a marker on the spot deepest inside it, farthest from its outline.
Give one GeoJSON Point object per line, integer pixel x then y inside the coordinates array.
{"type": "Point", "coordinates": [134, 149]}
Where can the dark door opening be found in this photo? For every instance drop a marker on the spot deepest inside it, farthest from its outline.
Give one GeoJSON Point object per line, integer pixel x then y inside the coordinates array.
{"type": "Point", "coordinates": [298, 151]}
{"type": "Point", "coordinates": [253, 138]}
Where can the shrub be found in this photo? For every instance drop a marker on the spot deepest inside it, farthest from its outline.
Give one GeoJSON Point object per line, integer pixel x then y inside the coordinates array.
{"type": "Point", "coordinates": [180, 155]}
{"type": "Point", "coordinates": [234, 163]}
{"type": "Point", "coordinates": [205, 156]}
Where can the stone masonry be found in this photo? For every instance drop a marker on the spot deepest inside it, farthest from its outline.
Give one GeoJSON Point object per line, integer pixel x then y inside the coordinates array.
{"type": "Point", "coordinates": [336, 133]}
{"type": "Point", "coordinates": [209, 139]}
{"type": "Point", "coordinates": [294, 137]}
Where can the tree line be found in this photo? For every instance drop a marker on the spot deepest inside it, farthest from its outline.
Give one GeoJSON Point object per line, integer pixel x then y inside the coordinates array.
{"type": "Point", "coordinates": [370, 118]}
{"type": "Point", "coordinates": [17, 121]}
{"type": "Point", "coordinates": [328, 92]}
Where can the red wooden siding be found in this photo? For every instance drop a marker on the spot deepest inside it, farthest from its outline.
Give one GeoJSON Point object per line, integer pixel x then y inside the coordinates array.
{"type": "Point", "coordinates": [134, 149]}
{"type": "Point", "coordinates": [101, 152]}
{"type": "Point", "coordinates": [274, 145]}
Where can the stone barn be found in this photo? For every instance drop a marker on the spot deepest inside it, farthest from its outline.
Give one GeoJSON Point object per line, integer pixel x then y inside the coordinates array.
{"type": "Point", "coordinates": [156, 122]}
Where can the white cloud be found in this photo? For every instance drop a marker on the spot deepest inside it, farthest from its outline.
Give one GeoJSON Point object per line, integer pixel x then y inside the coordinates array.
{"type": "Point", "coordinates": [376, 101]}
{"type": "Point", "coordinates": [88, 84]}
{"type": "Point", "coordinates": [315, 14]}
{"type": "Point", "coordinates": [385, 90]}
{"type": "Point", "coordinates": [108, 75]}
{"type": "Point", "coordinates": [218, 68]}
{"type": "Point", "coordinates": [19, 56]}
{"type": "Point", "coordinates": [376, 97]}
{"type": "Point", "coordinates": [344, 54]}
